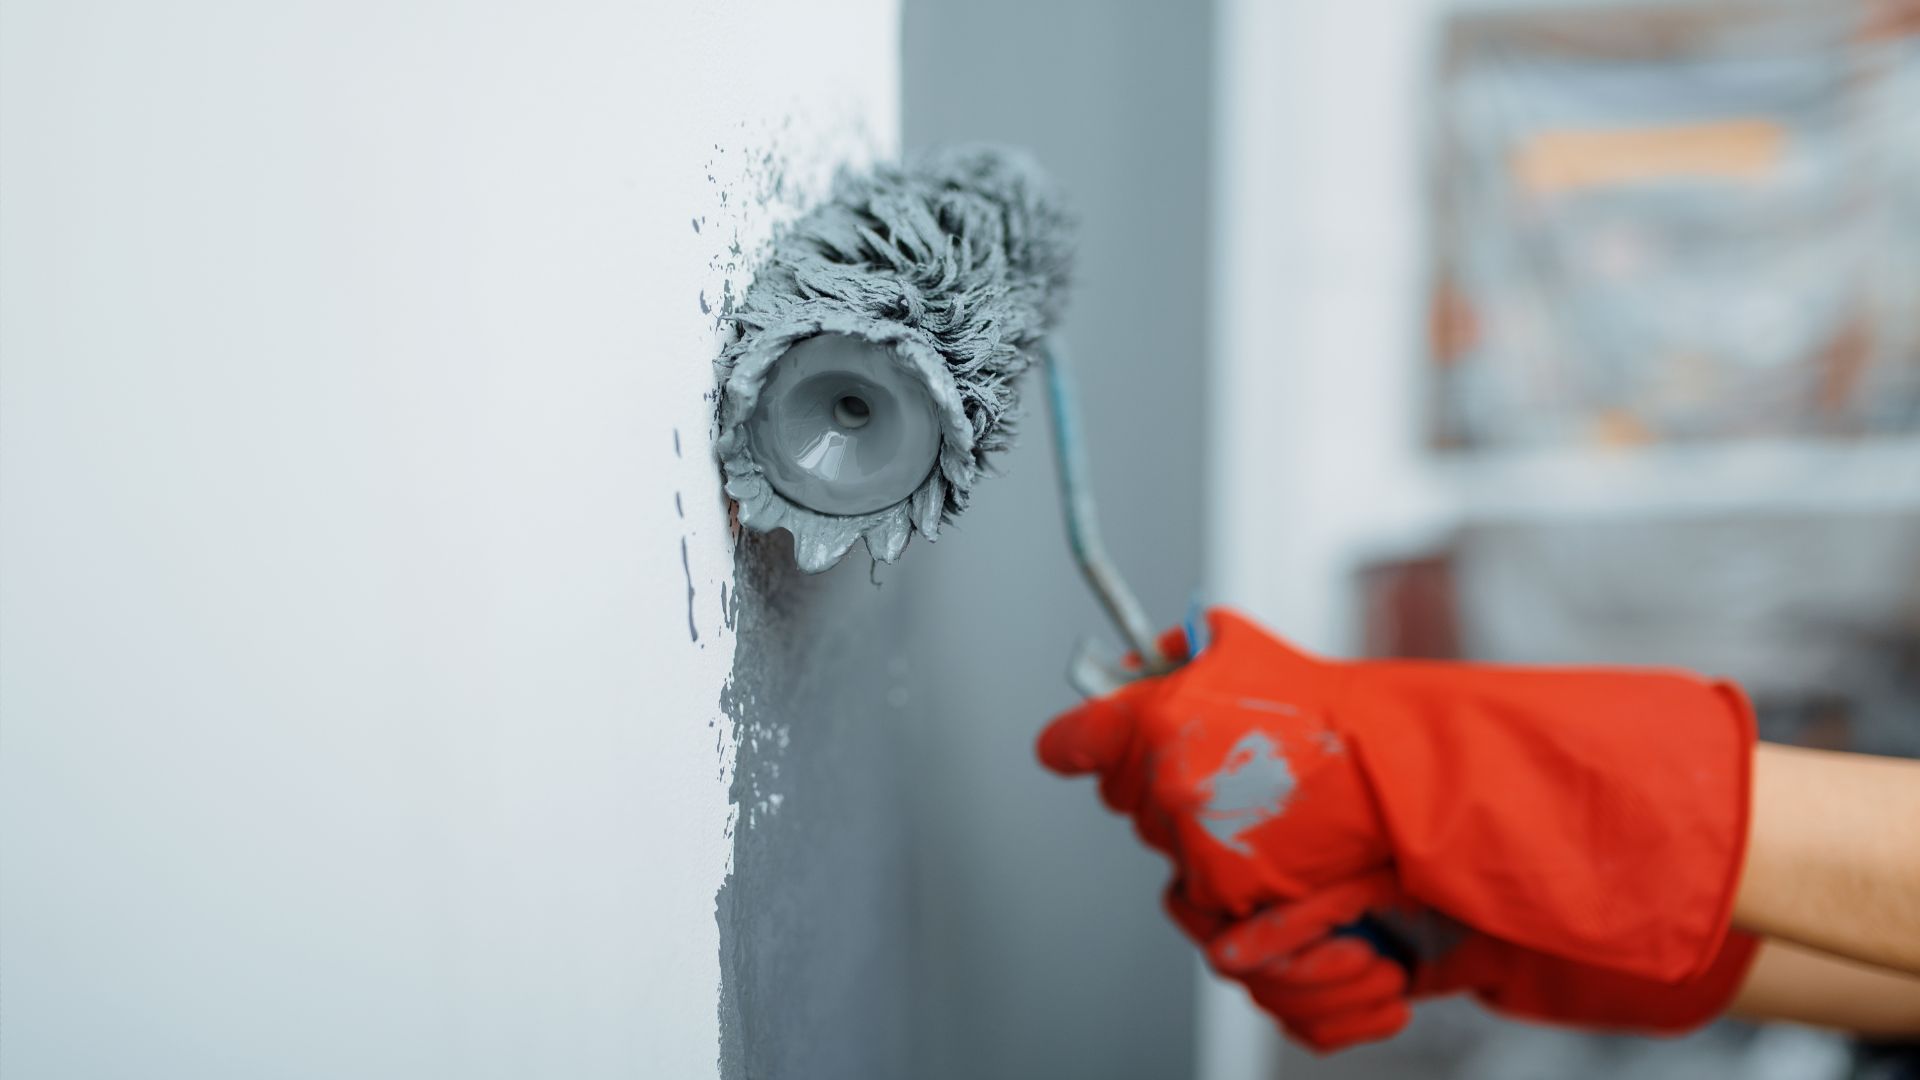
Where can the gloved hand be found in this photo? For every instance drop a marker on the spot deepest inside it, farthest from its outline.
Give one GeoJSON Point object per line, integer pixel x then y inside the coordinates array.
{"type": "Point", "coordinates": [1326, 992]}
{"type": "Point", "coordinates": [1330, 992]}
{"type": "Point", "coordinates": [1595, 815]}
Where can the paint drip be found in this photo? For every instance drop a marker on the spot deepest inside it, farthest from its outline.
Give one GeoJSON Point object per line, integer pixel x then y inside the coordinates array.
{"type": "Point", "coordinates": [956, 265]}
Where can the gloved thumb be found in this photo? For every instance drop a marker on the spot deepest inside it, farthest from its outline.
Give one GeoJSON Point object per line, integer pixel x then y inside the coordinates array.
{"type": "Point", "coordinates": [1088, 739]}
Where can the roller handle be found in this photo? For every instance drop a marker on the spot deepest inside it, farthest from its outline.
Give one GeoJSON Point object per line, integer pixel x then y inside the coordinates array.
{"type": "Point", "coordinates": [1087, 672]}
{"type": "Point", "coordinates": [1386, 941]}
{"type": "Point", "coordinates": [1083, 531]}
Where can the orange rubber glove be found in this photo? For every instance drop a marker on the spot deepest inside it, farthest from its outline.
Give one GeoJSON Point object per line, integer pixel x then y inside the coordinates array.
{"type": "Point", "coordinates": [1330, 992]}
{"type": "Point", "coordinates": [1598, 816]}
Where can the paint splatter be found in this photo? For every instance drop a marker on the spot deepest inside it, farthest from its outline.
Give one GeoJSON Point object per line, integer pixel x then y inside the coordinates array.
{"type": "Point", "coordinates": [693, 630]}
{"type": "Point", "coordinates": [705, 308]}
{"type": "Point", "coordinates": [1251, 789]}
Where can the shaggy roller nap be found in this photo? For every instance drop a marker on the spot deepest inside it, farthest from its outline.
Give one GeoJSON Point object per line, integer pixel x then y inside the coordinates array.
{"type": "Point", "coordinates": [958, 261]}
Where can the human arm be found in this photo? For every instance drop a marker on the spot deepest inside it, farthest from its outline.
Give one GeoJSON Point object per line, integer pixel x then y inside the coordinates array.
{"type": "Point", "coordinates": [1589, 827]}
{"type": "Point", "coordinates": [1798, 985]}
{"type": "Point", "coordinates": [1329, 991]}
{"type": "Point", "coordinates": [1833, 855]}
{"type": "Point", "coordinates": [1596, 814]}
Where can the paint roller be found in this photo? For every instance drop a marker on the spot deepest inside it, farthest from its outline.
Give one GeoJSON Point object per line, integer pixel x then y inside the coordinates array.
{"type": "Point", "coordinates": [876, 367]}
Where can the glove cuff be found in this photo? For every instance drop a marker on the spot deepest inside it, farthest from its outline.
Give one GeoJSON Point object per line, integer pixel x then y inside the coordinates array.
{"type": "Point", "coordinates": [1596, 815]}
{"type": "Point", "coordinates": [1604, 999]}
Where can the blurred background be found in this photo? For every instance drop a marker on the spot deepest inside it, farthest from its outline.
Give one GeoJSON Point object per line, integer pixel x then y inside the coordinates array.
{"type": "Point", "coordinates": [1525, 331]}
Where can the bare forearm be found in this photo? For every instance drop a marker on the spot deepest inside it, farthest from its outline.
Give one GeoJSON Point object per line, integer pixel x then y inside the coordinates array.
{"type": "Point", "coordinates": [1833, 860]}
{"type": "Point", "coordinates": [1802, 986]}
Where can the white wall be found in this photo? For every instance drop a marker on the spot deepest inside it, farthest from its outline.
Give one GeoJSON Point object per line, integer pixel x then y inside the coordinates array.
{"type": "Point", "coordinates": [350, 720]}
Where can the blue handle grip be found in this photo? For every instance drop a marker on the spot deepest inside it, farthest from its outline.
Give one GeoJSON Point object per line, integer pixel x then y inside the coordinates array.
{"type": "Point", "coordinates": [1385, 941]}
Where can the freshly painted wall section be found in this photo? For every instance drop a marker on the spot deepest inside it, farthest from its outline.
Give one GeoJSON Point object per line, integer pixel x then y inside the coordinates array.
{"type": "Point", "coordinates": [366, 592]}
{"type": "Point", "coordinates": [1040, 947]}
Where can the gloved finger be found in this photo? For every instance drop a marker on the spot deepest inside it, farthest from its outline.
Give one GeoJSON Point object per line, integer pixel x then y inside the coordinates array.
{"type": "Point", "coordinates": [1282, 929]}
{"type": "Point", "coordinates": [1326, 963]}
{"type": "Point", "coordinates": [1172, 645]}
{"type": "Point", "coordinates": [1222, 623]}
{"type": "Point", "coordinates": [1327, 1034]}
{"type": "Point", "coordinates": [1379, 984]}
{"type": "Point", "coordinates": [1092, 737]}
{"type": "Point", "coordinates": [1155, 829]}
{"type": "Point", "coordinates": [1200, 924]}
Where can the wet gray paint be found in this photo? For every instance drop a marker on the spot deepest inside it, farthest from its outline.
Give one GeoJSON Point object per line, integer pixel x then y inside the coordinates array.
{"type": "Point", "coordinates": [693, 628]}
{"type": "Point", "coordinates": [813, 914]}
{"type": "Point", "coordinates": [955, 265]}
{"type": "Point", "coordinates": [1250, 789]}
{"type": "Point", "coordinates": [985, 919]}
{"type": "Point", "coordinates": [814, 918]}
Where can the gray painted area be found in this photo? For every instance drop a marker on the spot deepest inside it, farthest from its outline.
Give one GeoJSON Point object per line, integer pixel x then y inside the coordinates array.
{"type": "Point", "coordinates": [1251, 789]}
{"type": "Point", "coordinates": [911, 895]}
{"type": "Point", "coordinates": [814, 943]}
{"type": "Point", "coordinates": [1039, 948]}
